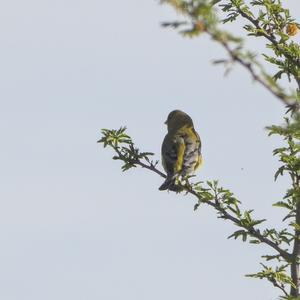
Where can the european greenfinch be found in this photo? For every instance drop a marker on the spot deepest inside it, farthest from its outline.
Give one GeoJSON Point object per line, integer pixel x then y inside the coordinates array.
{"type": "Point", "coordinates": [181, 149]}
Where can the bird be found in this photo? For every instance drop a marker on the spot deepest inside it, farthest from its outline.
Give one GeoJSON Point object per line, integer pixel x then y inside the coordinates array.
{"type": "Point", "coordinates": [181, 149]}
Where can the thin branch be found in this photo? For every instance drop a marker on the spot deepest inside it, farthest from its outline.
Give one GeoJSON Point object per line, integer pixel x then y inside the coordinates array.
{"type": "Point", "coordinates": [252, 231]}
{"type": "Point", "coordinates": [270, 37]}
{"type": "Point", "coordinates": [151, 168]}
{"type": "Point", "coordinates": [280, 286]}
{"type": "Point", "coordinates": [273, 40]}
{"type": "Point", "coordinates": [255, 77]}
{"type": "Point", "coordinates": [235, 57]}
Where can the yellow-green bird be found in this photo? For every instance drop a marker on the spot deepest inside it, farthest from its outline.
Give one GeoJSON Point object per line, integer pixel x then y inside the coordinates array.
{"type": "Point", "coordinates": [181, 149]}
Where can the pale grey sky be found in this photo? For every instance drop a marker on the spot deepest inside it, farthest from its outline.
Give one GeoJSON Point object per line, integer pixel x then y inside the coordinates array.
{"type": "Point", "coordinates": [72, 226]}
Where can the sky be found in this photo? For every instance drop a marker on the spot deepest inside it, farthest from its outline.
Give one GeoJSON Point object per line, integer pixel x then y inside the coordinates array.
{"type": "Point", "coordinates": [72, 225]}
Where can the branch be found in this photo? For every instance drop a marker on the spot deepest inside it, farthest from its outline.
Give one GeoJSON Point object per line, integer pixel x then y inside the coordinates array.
{"type": "Point", "coordinates": [271, 38]}
{"type": "Point", "coordinates": [252, 231]}
{"type": "Point", "coordinates": [203, 18]}
{"type": "Point", "coordinates": [295, 256]}
{"type": "Point", "coordinates": [296, 249]}
{"type": "Point", "coordinates": [136, 161]}
{"type": "Point", "coordinates": [222, 200]}
{"type": "Point", "coordinates": [281, 287]}
{"type": "Point", "coordinates": [256, 77]}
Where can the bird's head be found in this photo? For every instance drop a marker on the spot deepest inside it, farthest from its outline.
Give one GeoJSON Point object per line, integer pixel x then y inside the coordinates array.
{"type": "Point", "coordinates": [178, 119]}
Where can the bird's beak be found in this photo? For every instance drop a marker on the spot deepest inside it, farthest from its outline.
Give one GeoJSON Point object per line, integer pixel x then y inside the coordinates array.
{"type": "Point", "coordinates": [166, 122]}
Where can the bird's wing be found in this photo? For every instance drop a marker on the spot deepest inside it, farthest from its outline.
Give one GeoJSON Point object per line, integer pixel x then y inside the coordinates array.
{"type": "Point", "coordinates": [173, 150]}
{"type": "Point", "coordinates": [180, 148]}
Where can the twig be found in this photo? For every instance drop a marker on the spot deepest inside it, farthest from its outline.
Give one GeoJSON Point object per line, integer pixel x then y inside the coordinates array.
{"type": "Point", "coordinates": [252, 231]}
{"type": "Point", "coordinates": [280, 286]}
{"type": "Point", "coordinates": [273, 40]}
{"type": "Point", "coordinates": [235, 57]}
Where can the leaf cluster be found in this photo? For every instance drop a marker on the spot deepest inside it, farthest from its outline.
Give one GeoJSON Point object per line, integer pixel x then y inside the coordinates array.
{"type": "Point", "coordinates": [278, 277]}
{"type": "Point", "coordinates": [122, 144]}
{"type": "Point", "coordinates": [289, 156]}
{"type": "Point", "coordinates": [264, 18]}
{"type": "Point", "coordinates": [270, 22]}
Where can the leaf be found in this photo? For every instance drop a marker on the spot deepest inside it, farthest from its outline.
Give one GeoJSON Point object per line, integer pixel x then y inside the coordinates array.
{"type": "Point", "coordinates": [282, 204]}
{"type": "Point", "coordinates": [196, 206]}
{"type": "Point", "coordinates": [270, 257]}
{"type": "Point", "coordinates": [255, 242]}
{"type": "Point", "coordinates": [279, 172]}
{"type": "Point", "coordinates": [238, 233]}
{"type": "Point", "coordinates": [257, 222]}
{"type": "Point", "coordinates": [220, 61]}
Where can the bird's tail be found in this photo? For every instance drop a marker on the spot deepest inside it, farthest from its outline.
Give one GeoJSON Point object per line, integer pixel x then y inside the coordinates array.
{"type": "Point", "coordinates": [170, 184]}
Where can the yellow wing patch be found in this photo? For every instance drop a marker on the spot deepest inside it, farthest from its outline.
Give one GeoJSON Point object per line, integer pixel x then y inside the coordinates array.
{"type": "Point", "coordinates": [180, 157]}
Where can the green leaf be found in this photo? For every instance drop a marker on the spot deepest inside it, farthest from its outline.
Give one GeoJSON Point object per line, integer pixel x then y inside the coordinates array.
{"type": "Point", "coordinates": [283, 205]}
{"type": "Point", "coordinates": [239, 233]}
